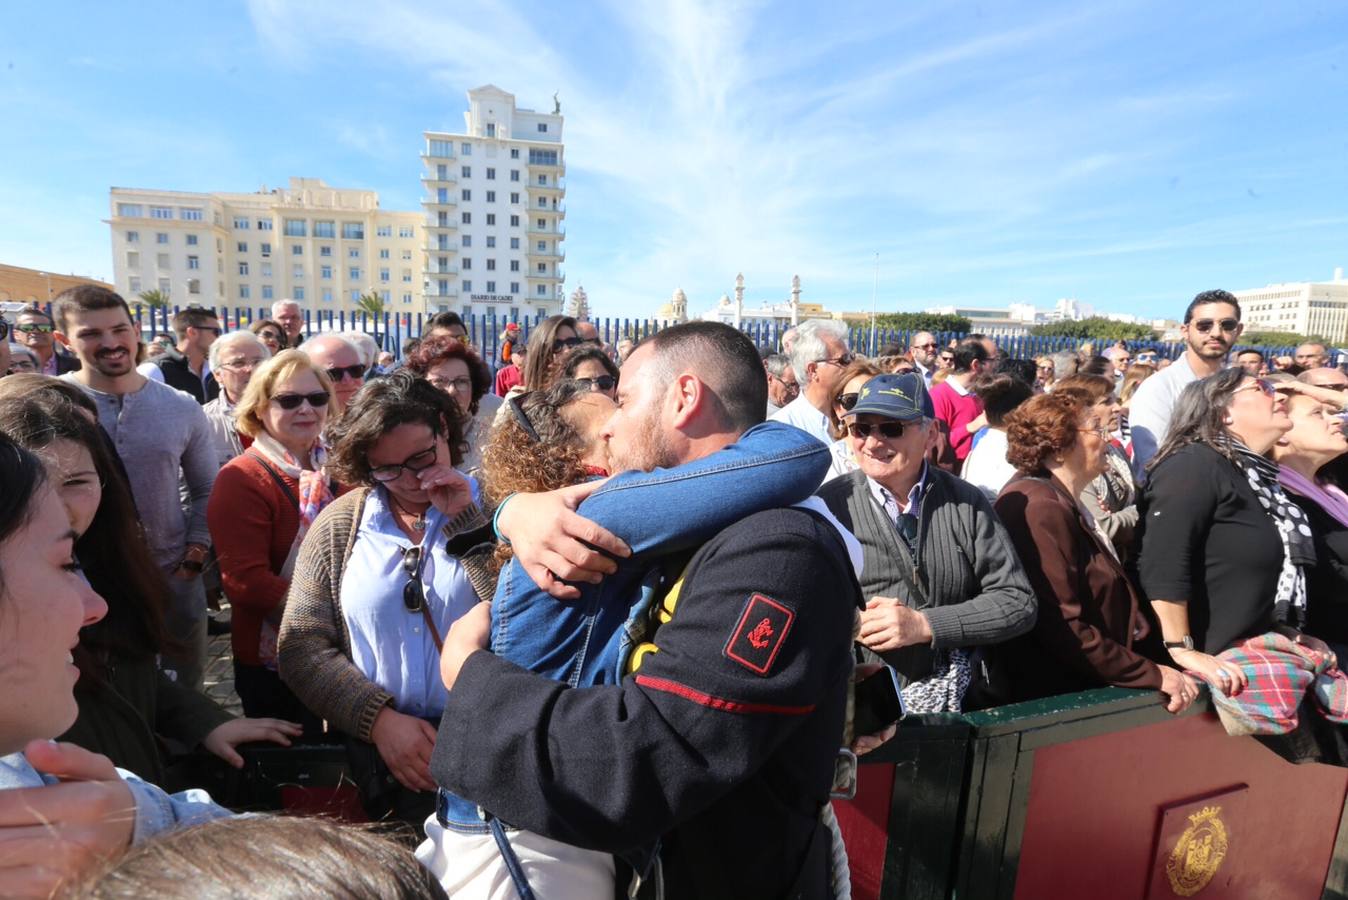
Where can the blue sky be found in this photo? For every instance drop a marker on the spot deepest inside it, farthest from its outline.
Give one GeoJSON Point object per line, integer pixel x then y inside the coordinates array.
{"type": "Point", "coordinates": [1128, 154]}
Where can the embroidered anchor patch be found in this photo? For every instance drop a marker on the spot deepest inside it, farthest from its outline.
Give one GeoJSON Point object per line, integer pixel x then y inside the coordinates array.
{"type": "Point", "coordinates": [759, 634]}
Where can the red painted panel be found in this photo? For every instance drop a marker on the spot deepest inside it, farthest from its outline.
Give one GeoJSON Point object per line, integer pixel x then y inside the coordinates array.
{"type": "Point", "coordinates": [1095, 808]}
{"type": "Point", "coordinates": [865, 824]}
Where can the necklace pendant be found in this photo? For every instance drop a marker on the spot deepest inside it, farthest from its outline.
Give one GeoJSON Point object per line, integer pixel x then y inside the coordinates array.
{"type": "Point", "coordinates": [419, 523]}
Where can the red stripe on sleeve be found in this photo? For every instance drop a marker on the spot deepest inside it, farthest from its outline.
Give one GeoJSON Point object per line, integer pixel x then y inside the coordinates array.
{"type": "Point", "coordinates": [707, 700]}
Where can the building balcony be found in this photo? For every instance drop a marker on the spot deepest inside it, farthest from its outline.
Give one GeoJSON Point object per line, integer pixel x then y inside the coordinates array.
{"type": "Point", "coordinates": [551, 277]}
{"type": "Point", "coordinates": [559, 169]}
{"type": "Point", "coordinates": [432, 291]}
{"type": "Point", "coordinates": [432, 180]}
{"type": "Point", "coordinates": [434, 229]}
{"type": "Point", "coordinates": [555, 188]}
{"type": "Point", "coordinates": [451, 200]}
{"type": "Point", "coordinates": [558, 233]}
{"type": "Point", "coordinates": [441, 270]}
{"type": "Point", "coordinates": [558, 254]}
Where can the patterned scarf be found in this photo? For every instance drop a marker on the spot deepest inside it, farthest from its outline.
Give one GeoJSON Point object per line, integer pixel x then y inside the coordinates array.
{"type": "Point", "coordinates": [1298, 549]}
{"type": "Point", "coordinates": [943, 690]}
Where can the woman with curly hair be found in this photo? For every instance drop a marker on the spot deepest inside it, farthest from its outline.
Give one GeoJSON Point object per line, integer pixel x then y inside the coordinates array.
{"type": "Point", "coordinates": [451, 366]}
{"type": "Point", "coordinates": [1090, 620]}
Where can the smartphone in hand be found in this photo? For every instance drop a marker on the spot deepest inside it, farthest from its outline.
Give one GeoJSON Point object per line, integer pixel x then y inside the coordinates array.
{"type": "Point", "coordinates": [879, 702]}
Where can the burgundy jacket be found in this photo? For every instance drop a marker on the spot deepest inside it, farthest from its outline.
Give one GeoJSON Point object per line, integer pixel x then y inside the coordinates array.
{"type": "Point", "coordinates": [1090, 616]}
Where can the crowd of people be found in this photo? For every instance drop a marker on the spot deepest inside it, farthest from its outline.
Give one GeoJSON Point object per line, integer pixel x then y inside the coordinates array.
{"type": "Point", "coordinates": [586, 618]}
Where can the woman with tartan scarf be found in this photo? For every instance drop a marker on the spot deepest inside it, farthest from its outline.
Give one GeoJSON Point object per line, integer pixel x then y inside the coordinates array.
{"type": "Point", "coordinates": [262, 505]}
{"type": "Point", "coordinates": [1224, 551]}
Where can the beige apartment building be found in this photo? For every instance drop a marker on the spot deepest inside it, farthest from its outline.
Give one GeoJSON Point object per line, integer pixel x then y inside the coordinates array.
{"type": "Point", "coordinates": [494, 211]}
{"type": "Point", "coordinates": [318, 245]}
{"type": "Point", "coordinates": [1304, 307]}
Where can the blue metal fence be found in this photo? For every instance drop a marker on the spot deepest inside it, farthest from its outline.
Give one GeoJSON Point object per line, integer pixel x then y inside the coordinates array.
{"type": "Point", "coordinates": [391, 329]}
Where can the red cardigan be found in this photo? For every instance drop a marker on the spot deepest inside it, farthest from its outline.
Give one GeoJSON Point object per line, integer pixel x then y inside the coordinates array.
{"type": "Point", "coordinates": [253, 523]}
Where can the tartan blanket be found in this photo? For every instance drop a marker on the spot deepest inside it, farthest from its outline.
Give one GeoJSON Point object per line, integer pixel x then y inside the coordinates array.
{"type": "Point", "coordinates": [1281, 673]}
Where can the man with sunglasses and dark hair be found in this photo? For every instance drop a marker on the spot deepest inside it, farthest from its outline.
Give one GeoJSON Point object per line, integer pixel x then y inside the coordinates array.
{"type": "Point", "coordinates": [1211, 327]}
{"type": "Point", "coordinates": [922, 349]}
{"type": "Point", "coordinates": [34, 329]}
{"type": "Point", "coordinates": [956, 404]}
{"type": "Point", "coordinates": [939, 574]}
{"type": "Point", "coordinates": [185, 367]}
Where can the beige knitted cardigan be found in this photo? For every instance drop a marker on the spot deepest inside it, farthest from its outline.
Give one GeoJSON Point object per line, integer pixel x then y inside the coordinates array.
{"type": "Point", "coordinates": [314, 647]}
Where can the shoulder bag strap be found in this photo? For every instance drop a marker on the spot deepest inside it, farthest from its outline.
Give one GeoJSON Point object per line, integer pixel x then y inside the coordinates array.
{"type": "Point", "coordinates": [276, 477]}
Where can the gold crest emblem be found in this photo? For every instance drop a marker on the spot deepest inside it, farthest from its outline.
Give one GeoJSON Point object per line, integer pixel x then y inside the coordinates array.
{"type": "Point", "coordinates": [1198, 853]}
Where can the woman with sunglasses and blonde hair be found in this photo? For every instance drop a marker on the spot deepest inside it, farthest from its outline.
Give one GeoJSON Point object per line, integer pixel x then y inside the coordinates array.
{"type": "Point", "coordinates": [263, 503]}
{"type": "Point", "coordinates": [380, 578]}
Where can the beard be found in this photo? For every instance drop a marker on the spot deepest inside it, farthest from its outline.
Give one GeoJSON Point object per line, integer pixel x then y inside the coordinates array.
{"type": "Point", "coordinates": [648, 448]}
{"type": "Point", "coordinates": [112, 366]}
{"type": "Point", "coordinates": [1198, 343]}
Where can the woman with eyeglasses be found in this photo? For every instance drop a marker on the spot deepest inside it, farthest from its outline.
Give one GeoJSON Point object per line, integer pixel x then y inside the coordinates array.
{"type": "Point", "coordinates": [380, 578]}
{"type": "Point", "coordinates": [592, 369]}
{"type": "Point", "coordinates": [451, 366]}
{"type": "Point", "coordinates": [857, 373]}
{"type": "Point", "coordinates": [1110, 498]}
{"type": "Point", "coordinates": [21, 360]}
{"type": "Point", "coordinates": [271, 334]}
{"type": "Point", "coordinates": [1224, 550]}
{"type": "Point", "coordinates": [233, 358]}
{"type": "Point", "coordinates": [1090, 626]}
{"type": "Point", "coordinates": [1043, 377]}
{"type": "Point", "coordinates": [263, 503]}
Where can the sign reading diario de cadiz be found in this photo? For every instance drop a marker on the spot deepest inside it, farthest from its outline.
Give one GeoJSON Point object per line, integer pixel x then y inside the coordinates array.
{"type": "Point", "coordinates": [492, 298]}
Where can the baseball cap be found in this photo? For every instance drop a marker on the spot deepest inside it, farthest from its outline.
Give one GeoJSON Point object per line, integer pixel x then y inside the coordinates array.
{"type": "Point", "coordinates": [901, 397]}
{"type": "Point", "coordinates": [512, 326]}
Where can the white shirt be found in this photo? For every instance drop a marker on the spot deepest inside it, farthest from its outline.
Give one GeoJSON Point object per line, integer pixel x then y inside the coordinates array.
{"type": "Point", "coordinates": [801, 413]}
{"type": "Point", "coordinates": [986, 467]}
{"type": "Point", "coordinates": [1149, 412]}
{"type": "Point", "coordinates": [843, 460]}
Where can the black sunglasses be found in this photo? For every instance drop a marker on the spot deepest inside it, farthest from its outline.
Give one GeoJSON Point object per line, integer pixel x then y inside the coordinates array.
{"type": "Point", "coordinates": [414, 596]}
{"type": "Point", "coordinates": [213, 329]}
{"type": "Point", "coordinates": [1203, 326]}
{"type": "Point", "coordinates": [518, 412]}
{"type": "Point", "coordinates": [848, 400]}
{"type": "Point", "coordinates": [4, 329]}
{"type": "Point", "coordinates": [884, 429]}
{"type": "Point", "coordinates": [565, 343]}
{"type": "Point", "coordinates": [357, 372]}
{"type": "Point", "coordinates": [601, 383]}
{"type": "Point", "coordinates": [317, 400]}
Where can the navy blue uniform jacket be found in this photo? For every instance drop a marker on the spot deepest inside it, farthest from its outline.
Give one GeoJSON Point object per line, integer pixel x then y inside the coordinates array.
{"type": "Point", "coordinates": [722, 744]}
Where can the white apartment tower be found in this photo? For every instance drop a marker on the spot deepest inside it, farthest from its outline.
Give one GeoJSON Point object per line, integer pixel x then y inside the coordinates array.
{"type": "Point", "coordinates": [321, 246]}
{"type": "Point", "coordinates": [494, 211]}
{"type": "Point", "coordinates": [1304, 307]}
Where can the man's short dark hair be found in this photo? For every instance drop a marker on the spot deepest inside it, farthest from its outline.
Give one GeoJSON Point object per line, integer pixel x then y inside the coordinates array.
{"type": "Point", "coordinates": [444, 320]}
{"type": "Point", "coordinates": [1213, 296]}
{"type": "Point", "coordinates": [86, 298]}
{"type": "Point", "coordinates": [1021, 369]}
{"type": "Point", "coordinates": [193, 317]}
{"type": "Point", "coordinates": [35, 310]}
{"type": "Point", "coordinates": [1247, 351]}
{"type": "Point", "coordinates": [725, 359]}
{"type": "Point", "coordinates": [969, 351]}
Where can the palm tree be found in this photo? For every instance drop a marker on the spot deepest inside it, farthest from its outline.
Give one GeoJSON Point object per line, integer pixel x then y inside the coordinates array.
{"type": "Point", "coordinates": [371, 304]}
{"type": "Point", "coordinates": [155, 299]}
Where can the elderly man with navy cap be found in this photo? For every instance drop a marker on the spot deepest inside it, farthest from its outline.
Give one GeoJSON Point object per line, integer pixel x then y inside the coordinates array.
{"type": "Point", "coordinates": [940, 575]}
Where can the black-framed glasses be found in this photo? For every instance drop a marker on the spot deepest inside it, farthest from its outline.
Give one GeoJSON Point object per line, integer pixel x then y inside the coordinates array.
{"type": "Point", "coordinates": [464, 384]}
{"type": "Point", "coordinates": [517, 410]}
{"type": "Point", "coordinates": [598, 383]}
{"type": "Point", "coordinates": [862, 430]}
{"type": "Point", "coordinates": [1229, 326]}
{"type": "Point", "coordinates": [34, 328]}
{"type": "Point", "coordinates": [414, 463]}
{"type": "Point", "coordinates": [213, 329]}
{"type": "Point", "coordinates": [946, 359]}
{"type": "Point", "coordinates": [932, 346]}
{"type": "Point", "coordinates": [848, 400]}
{"type": "Point", "coordinates": [357, 372]}
{"type": "Point", "coordinates": [791, 387]}
{"type": "Point", "coordinates": [318, 400]}
{"type": "Point", "coordinates": [565, 343]}
{"type": "Point", "coordinates": [241, 364]}
{"type": "Point", "coordinates": [414, 595]}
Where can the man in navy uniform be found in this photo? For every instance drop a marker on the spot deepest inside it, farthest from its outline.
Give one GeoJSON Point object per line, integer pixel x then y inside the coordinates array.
{"type": "Point", "coordinates": [722, 745]}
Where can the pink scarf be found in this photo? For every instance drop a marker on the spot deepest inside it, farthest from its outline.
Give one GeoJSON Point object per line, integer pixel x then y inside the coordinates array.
{"type": "Point", "coordinates": [1330, 499]}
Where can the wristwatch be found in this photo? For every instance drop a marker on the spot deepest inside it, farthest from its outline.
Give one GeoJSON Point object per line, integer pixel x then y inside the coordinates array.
{"type": "Point", "coordinates": [1184, 643]}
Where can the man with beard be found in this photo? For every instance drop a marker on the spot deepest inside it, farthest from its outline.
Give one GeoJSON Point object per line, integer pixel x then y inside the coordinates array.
{"type": "Point", "coordinates": [161, 436]}
{"type": "Point", "coordinates": [1211, 326]}
{"type": "Point", "coordinates": [723, 739]}
{"type": "Point", "coordinates": [922, 347]}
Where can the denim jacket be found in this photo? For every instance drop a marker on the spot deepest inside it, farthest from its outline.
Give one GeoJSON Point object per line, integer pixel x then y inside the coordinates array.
{"type": "Point", "coordinates": [659, 514]}
{"type": "Point", "coordinates": [156, 811]}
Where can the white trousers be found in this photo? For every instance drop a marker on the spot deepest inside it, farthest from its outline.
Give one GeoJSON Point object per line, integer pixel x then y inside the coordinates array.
{"type": "Point", "coordinates": [470, 866]}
